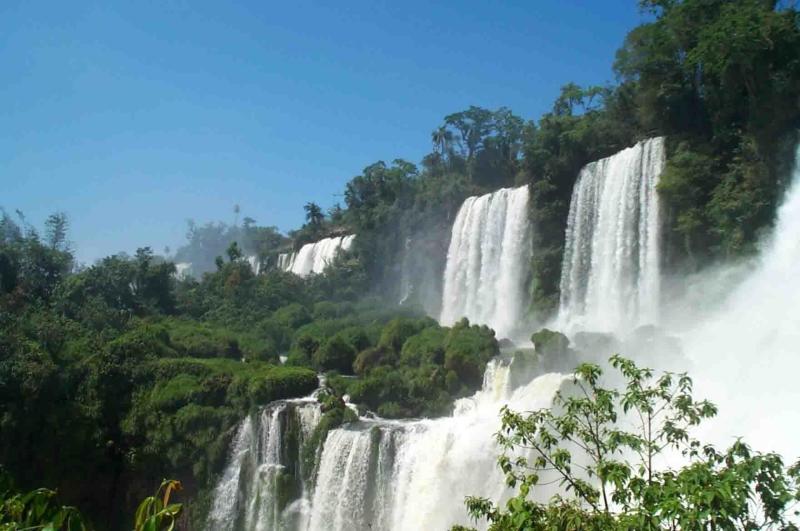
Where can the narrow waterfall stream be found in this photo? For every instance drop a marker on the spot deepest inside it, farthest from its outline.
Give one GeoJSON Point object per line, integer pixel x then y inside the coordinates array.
{"type": "Point", "coordinates": [265, 468]}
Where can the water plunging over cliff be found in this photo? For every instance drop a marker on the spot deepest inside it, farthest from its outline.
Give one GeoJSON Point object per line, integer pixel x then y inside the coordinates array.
{"type": "Point", "coordinates": [255, 264]}
{"type": "Point", "coordinates": [265, 468]}
{"type": "Point", "coordinates": [314, 257]}
{"type": "Point", "coordinates": [610, 275]}
{"type": "Point", "coordinates": [374, 473]}
{"type": "Point", "coordinates": [488, 261]}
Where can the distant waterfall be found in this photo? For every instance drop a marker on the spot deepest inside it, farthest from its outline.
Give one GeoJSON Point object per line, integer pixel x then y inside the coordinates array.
{"type": "Point", "coordinates": [611, 275]}
{"type": "Point", "coordinates": [255, 263]}
{"type": "Point", "coordinates": [488, 260]}
{"type": "Point", "coordinates": [375, 474]}
{"type": "Point", "coordinates": [183, 270]}
{"type": "Point", "coordinates": [313, 258]}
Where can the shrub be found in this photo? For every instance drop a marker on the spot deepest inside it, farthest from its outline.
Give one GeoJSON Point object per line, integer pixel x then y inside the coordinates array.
{"type": "Point", "coordinates": [335, 354]}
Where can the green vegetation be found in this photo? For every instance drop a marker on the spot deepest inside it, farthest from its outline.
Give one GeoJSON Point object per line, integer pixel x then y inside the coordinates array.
{"type": "Point", "coordinates": [417, 368]}
{"type": "Point", "coordinates": [602, 446]}
{"type": "Point", "coordinates": [116, 375]}
{"type": "Point", "coordinates": [721, 79]}
{"type": "Point", "coordinates": [135, 374]}
{"type": "Point", "coordinates": [34, 510]}
{"type": "Point", "coordinates": [206, 242]}
{"type": "Point", "coordinates": [38, 509]}
{"type": "Point", "coordinates": [156, 513]}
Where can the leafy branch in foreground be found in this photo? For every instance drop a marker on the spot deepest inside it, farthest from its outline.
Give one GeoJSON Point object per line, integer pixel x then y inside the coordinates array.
{"type": "Point", "coordinates": [37, 509]}
{"type": "Point", "coordinates": [156, 512]}
{"type": "Point", "coordinates": [602, 446]}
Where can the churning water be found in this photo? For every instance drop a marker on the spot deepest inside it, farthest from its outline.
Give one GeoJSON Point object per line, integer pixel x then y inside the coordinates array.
{"type": "Point", "coordinates": [374, 473]}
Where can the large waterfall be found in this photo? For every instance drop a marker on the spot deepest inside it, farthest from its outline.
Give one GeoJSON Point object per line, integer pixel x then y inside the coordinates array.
{"type": "Point", "coordinates": [313, 258]}
{"type": "Point", "coordinates": [488, 261]}
{"type": "Point", "coordinates": [610, 276]}
{"type": "Point", "coordinates": [374, 473]}
{"type": "Point", "coordinates": [414, 474]}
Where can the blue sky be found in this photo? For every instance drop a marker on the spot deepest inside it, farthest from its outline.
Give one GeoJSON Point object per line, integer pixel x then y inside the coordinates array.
{"type": "Point", "coordinates": [133, 117]}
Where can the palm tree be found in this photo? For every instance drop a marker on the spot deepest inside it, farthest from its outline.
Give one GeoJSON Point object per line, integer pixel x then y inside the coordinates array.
{"type": "Point", "coordinates": [442, 140]}
{"type": "Point", "coordinates": [314, 215]}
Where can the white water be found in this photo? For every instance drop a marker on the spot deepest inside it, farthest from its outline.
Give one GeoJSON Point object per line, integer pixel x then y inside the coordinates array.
{"type": "Point", "coordinates": [255, 264]}
{"type": "Point", "coordinates": [313, 258]}
{"type": "Point", "coordinates": [381, 474]}
{"type": "Point", "coordinates": [410, 475]}
{"type": "Point", "coordinates": [247, 494]}
{"type": "Point", "coordinates": [610, 275]}
{"type": "Point", "coordinates": [747, 355]}
{"type": "Point", "coordinates": [488, 261]}
{"type": "Point", "coordinates": [183, 269]}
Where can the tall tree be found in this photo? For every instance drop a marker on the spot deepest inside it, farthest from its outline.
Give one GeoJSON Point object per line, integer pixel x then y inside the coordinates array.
{"type": "Point", "coordinates": [314, 215]}
{"type": "Point", "coordinates": [473, 125]}
{"type": "Point", "coordinates": [56, 228]}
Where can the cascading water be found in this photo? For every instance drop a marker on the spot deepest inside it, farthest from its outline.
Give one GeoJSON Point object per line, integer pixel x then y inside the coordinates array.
{"type": "Point", "coordinates": [374, 473]}
{"type": "Point", "coordinates": [255, 264]}
{"type": "Point", "coordinates": [313, 258]}
{"type": "Point", "coordinates": [265, 469]}
{"type": "Point", "coordinates": [414, 474]}
{"type": "Point", "coordinates": [610, 276]}
{"type": "Point", "coordinates": [488, 260]}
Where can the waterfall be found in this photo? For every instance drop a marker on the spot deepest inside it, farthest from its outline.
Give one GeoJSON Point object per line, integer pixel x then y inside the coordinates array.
{"type": "Point", "coordinates": [183, 270]}
{"type": "Point", "coordinates": [265, 468]}
{"type": "Point", "coordinates": [488, 261]}
{"type": "Point", "coordinates": [610, 275]}
{"type": "Point", "coordinates": [745, 355]}
{"type": "Point", "coordinates": [255, 264]}
{"type": "Point", "coordinates": [313, 258]}
{"type": "Point", "coordinates": [375, 473]}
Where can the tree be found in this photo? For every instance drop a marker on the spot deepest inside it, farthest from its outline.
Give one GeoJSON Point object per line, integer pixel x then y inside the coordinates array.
{"type": "Point", "coordinates": [442, 139]}
{"type": "Point", "coordinates": [233, 252]}
{"type": "Point", "coordinates": [473, 125]}
{"type": "Point", "coordinates": [56, 228]}
{"type": "Point", "coordinates": [314, 215]}
{"type": "Point", "coordinates": [608, 471]}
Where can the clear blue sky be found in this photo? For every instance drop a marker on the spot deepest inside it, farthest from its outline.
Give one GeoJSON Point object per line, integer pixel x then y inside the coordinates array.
{"type": "Point", "coordinates": [134, 116]}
